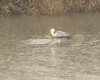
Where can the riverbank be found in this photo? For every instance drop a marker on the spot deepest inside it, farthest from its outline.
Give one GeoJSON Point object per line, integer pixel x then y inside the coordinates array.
{"type": "Point", "coordinates": [47, 7]}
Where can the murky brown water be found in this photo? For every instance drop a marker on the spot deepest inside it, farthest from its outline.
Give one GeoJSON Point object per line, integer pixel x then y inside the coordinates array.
{"type": "Point", "coordinates": [27, 53]}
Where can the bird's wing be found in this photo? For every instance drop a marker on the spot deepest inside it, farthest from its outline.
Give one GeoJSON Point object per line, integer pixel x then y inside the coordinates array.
{"type": "Point", "coordinates": [61, 34]}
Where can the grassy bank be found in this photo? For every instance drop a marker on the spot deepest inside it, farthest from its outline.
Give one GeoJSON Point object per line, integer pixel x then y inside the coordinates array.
{"type": "Point", "coordinates": [47, 7]}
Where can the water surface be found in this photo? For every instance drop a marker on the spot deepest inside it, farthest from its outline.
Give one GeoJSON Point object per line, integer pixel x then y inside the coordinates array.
{"type": "Point", "coordinates": [28, 53]}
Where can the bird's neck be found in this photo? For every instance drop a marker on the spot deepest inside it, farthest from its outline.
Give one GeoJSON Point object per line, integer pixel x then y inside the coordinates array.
{"type": "Point", "coordinates": [53, 33]}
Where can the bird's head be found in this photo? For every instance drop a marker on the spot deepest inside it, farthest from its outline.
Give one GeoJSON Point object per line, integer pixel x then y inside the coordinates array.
{"type": "Point", "coordinates": [51, 31]}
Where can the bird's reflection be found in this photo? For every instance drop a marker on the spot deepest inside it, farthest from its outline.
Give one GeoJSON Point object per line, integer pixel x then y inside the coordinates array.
{"type": "Point", "coordinates": [53, 56]}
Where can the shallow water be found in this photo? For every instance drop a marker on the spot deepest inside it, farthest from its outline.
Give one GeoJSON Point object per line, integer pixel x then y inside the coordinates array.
{"type": "Point", "coordinates": [28, 53]}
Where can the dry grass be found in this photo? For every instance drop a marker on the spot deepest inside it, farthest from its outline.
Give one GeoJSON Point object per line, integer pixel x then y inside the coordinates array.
{"type": "Point", "coordinates": [47, 7]}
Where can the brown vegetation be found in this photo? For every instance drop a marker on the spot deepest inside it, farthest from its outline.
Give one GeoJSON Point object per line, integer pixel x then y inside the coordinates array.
{"type": "Point", "coordinates": [47, 7]}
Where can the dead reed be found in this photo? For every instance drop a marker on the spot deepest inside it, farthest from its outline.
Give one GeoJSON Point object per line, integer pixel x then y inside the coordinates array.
{"type": "Point", "coordinates": [47, 7]}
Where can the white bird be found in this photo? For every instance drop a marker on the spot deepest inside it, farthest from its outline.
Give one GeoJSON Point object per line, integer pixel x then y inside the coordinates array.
{"type": "Point", "coordinates": [60, 34]}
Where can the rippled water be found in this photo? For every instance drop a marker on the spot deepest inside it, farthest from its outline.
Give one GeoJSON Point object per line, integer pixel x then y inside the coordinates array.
{"type": "Point", "coordinates": [28, 53]}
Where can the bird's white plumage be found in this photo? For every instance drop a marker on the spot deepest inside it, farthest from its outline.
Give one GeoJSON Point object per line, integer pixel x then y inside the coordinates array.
{"type": "Point", "coordinates": [52, 32]}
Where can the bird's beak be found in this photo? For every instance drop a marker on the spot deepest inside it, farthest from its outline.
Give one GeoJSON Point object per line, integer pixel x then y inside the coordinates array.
{"type": "Point", "coordinates": [49, 32]}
